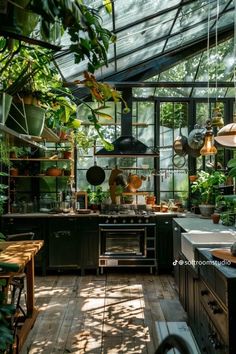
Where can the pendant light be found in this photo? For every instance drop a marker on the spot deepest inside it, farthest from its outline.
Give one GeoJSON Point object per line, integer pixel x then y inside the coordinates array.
{"type": "Point", "coordinates": [227, 135]}
{"type": "Point", "coordinates": [208, 146]}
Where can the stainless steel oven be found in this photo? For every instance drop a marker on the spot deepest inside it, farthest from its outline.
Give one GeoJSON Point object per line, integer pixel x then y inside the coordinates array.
{"type": "Point", "coordinates": [122, 245]}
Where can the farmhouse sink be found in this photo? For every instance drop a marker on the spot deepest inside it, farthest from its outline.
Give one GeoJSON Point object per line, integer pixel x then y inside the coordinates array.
{"type": "Point", "coordinates": [190, 241]}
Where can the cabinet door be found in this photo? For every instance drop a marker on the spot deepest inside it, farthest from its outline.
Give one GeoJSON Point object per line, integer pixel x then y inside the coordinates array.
{"type": "Point", "coordinates": [176, 249]}
{"type": "Point", "coordinates": [63, 243]}
{"type": "Point", "coordinates": [164, 245]}
{"type": "Point", "coordinates": [88, 230]}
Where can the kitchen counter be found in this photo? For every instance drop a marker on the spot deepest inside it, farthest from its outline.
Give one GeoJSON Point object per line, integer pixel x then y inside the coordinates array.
{"type": "Point", "coordinates": [194, 224]}
{"type": "Point", "coordinates": [77, 215]}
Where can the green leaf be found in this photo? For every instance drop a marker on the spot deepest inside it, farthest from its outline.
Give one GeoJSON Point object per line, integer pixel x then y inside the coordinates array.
{"type": "Point", "coordinates": [231, 163]}
{"type": "Point", "coordinates": [232, 172]}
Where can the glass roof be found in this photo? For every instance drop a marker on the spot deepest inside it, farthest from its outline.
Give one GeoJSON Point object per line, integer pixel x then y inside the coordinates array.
{"type": "Point", "coordinates": [158, 40]}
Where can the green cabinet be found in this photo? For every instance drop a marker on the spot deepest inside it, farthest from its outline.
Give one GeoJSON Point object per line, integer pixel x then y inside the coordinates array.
{"type": "Point", "coordinates": [64, 250]}
{"type": "Point", "coordinates": [164, 244]}
{"type": "Point", "coordinates": [89, 234]}
{"type": "Point", "coordinates": [176, 232]}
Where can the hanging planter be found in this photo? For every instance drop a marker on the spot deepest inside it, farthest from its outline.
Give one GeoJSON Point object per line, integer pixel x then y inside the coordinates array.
{"type": "Point", "coordinates": [14, 18]}
{"type": "Point", "coordinates": [26, 119]}
{"type": "Point", "coordinates": [5, 104]}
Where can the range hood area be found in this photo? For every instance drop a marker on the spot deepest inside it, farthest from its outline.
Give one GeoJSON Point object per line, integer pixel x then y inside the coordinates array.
{"type": "Point", "coordinates": [127, 145]}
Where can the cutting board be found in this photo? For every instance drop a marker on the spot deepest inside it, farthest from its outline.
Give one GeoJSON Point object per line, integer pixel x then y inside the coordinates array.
{"type": "Point", "coordinates": [224, 254]}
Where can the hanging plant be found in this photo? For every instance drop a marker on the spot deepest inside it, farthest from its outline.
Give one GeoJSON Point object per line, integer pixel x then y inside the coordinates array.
{"type": "Point", "coordinates": [89, 40]}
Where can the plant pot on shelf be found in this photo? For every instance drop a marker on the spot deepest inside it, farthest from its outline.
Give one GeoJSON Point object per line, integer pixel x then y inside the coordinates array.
{"type": "Point", "coordinates": [54, 171]}
{"type": "Point", "coordinates": [14, 171]}
{"type": "Point", "coordinates": [207, 210]}
{"type": "Point", "coordinates": [26, 119]}
{"type": "Point", "coordinates": [66, 154]}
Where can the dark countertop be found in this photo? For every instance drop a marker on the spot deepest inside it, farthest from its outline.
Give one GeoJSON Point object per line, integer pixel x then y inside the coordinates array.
{"type": "Point", "coordinates": [77, 215]}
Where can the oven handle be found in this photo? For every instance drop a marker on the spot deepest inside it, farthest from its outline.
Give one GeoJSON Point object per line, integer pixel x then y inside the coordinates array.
{"type": "Point", "coordinates": [119, 230]}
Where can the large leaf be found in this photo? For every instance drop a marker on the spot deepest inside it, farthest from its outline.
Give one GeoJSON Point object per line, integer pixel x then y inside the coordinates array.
{"type": "Point", "coordinates": [231, 163]}
{"type": "Point", "coordinates": [232, 172]}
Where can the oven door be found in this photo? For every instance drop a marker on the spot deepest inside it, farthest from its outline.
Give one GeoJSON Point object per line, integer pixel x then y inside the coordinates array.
{"type": "Point", "coordinates": [121, 241]}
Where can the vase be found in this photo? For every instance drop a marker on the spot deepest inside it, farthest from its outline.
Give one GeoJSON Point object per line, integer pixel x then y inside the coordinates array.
{"type": "Point", "coordinates": [206, 210]}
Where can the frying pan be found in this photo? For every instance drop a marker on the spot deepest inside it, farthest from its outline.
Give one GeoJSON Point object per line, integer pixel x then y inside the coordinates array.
{"type": "Point", "coordinates": [180, 144]}
{"type": "Point", "coordinates": [95, 175]}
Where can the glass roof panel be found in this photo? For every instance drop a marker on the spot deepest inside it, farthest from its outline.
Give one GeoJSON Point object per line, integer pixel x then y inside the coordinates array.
{"type": "Point", "coordinates": [140, 56]}
{"type": "Point", "coordinates": [128, 12]}
{"type": "Point", "coordinates": [146, 28]}
{"type": "Point", "coordinates": [194, 13]}
{"type": "Point", "coordinates": [185, 71]}
{"type": "Point", "coordinates": [188, 36]}
{"type": "Point", "coordinates": [211, 92]}
{"type": "Point", "coordinates": [144, 32]}
{"type": "Point", "coordinates": [221, 61]}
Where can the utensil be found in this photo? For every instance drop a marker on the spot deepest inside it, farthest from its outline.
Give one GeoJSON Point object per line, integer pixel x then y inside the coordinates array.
{"type": "Point", "coordinates": [95, 174]}
{"type": "Point", "coordinates": [180, 144]}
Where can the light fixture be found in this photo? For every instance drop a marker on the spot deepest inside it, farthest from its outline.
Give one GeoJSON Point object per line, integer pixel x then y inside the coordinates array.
{"type": "Point", "coordinates": [208, 147]}
{"type": "Point", "coordinates": [227, 135]}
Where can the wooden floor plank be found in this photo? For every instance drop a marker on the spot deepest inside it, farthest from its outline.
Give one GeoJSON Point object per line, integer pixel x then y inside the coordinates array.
{"type": "Point", "coordinates": [105, 314]}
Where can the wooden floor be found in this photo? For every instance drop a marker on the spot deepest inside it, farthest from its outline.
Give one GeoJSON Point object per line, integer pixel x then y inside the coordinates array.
{"type": "Point", "coordinates": [110, 313]}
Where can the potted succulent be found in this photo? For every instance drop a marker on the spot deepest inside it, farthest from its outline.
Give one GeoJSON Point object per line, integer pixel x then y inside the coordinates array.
{"type": "Point", "coordinates": [206, 186]}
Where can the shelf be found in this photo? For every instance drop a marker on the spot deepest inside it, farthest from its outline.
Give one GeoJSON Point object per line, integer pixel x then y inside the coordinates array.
{"type": "Point", "coordinates": [135, 193]}
{"type": "Point", "coordinates": [46, 159]}
{"type": "Point", "coordinates": [39, 176]}
{"type": "Point", "coordinates": [20, 137]}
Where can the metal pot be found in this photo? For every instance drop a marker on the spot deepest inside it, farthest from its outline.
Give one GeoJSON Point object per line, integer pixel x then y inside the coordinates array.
{"type": "Point", "coordinates": [134, 182]}
{"type": "Point", "coordinates": [180, 144]}
{"type": "Point", "coordinates": [196, 138]}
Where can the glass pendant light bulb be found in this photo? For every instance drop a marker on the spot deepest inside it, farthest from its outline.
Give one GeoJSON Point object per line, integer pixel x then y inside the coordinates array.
{"type": "Point", "coordinates": [208, 147]}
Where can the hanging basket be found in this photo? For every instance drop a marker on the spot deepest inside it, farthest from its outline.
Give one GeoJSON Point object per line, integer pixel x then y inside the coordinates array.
{"type": "Point", "coordinates": [5, 104]}
{"type": "Point", "coordinates": [15, 19]}
{"type": "Point", "coordinates": [26, 119]}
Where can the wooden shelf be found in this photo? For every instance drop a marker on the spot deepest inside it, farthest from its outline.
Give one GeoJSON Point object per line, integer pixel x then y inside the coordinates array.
{"type": "Point", "coordinates": [39, 176]}
{"type": "Point", "coordinates": [40, 159]}
{"type": "Point", "coordinates": [135, 193]}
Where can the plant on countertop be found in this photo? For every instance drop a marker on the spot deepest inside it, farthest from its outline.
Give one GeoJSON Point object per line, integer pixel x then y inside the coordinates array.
{"type": "Point", "coordinates": [206, 185]}
{"type": "Point", "coordinates": [98, 196]}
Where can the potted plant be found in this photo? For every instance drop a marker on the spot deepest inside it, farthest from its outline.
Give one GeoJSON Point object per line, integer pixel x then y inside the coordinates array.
{"type": "Point", "coordinates": [89, 40]}
{"type": "Point", "coordinates": [97, 197]}
{"type": "Point", "coordinates": [206, 186]}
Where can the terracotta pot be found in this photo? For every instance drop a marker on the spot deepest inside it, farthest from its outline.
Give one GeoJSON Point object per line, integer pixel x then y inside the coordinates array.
{"type": "Point", "coordinates": [14, 171]}
{"type": "Point", "coordinates": [215, 218]}
{"type": "Point", "coordinates": [192, 178]}
{"type": "Point", "coordinates": [150, 199]}
{"type": "Point", "coordinates": [67, 154]}
{"type": "Point", "coordinates": [54, 171]}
